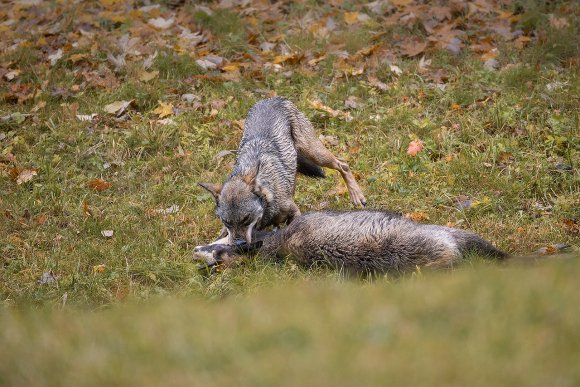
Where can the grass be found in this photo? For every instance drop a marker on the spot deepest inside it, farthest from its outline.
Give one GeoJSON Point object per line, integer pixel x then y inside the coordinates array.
{"type": "Point", "coordinates": [472, 326]}
{"type": "Point", "coordinates": [137, 311]}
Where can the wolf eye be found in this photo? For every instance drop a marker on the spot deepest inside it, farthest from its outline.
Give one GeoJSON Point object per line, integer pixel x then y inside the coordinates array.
{"type": "Point", "coordinates": [246, 220]}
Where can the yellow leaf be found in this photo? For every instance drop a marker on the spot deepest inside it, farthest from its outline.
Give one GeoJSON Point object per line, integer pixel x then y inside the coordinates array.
{"type": "Point", "coordinates": [164, 109]}
{"type": "Point", "coordinates": [283, 58]}
{"type": "Point", "coordinates": [417, 216]}
{"type": "Point", "coordinates": [522, 41]}
{"type": "Point", "coordinates": [146, 76]}
{"type": "Point", "coordinates": [351, 17]}
{"type": "Point", "coordinates": [230, 67]}
{"type": "Point", "coordinates": [110, 3]}
{"type": "Point", "coordinates": [77, 57]}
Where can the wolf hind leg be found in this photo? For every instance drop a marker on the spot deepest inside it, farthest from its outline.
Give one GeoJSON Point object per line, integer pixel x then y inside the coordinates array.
{"type": "Point", "coordinates": [309, 147]}
{"type": "Point", "coordinates": [318, 154]}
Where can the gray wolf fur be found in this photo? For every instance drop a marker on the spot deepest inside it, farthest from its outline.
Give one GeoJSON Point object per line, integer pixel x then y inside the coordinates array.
{"type": "Point", "coordinates": [278, 141]}
{"type": "Point", "coordinates": [362, 241]}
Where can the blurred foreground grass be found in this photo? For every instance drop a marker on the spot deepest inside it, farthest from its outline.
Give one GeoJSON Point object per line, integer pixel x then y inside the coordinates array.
{"type": "Point", "coordinates": [511, 325]}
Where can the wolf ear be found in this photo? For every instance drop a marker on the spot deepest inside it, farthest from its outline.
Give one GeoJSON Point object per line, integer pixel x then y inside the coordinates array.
{"type": "Point", "coordinates": [214, 189]}
{"type": "Point", "coordinates": [251, 178]}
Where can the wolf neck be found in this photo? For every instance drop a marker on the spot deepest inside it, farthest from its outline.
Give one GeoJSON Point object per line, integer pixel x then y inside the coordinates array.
{"type": "Point", "coordinates": [248, 157]}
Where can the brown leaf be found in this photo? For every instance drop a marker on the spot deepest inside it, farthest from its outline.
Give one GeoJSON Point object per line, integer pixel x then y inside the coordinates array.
{"type": "Point", "coordinates": [98, 184]}
{"type": "Point", "coordinates": [570, 225]}
{"type": "Point", "coordinates": [413, 47]}
{"type": "Point", "coordinates": [86, 209]}
{"type": "Point", "coordinates": [374, 81]}
{"type": "Point", "coordinates": [25, 175]}
{"type": "Point", "coordinates": [104, 79]}
{"type": "Point", "coordinates": [352, 102]}
{"type": "Point", "coordinates": [328, 140]}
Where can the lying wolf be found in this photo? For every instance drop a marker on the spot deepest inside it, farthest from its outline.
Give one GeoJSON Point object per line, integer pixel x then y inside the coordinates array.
{"type": "Point", "coordinates": [362, 241]}
{"type": "Point", "coordinates": [278, 141]}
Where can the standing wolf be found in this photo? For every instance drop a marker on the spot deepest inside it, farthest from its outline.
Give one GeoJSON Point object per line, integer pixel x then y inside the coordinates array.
{"type": "Point", "coordinates": [360, 241]}
{"type": "Point", "coordinates": [278, 141]}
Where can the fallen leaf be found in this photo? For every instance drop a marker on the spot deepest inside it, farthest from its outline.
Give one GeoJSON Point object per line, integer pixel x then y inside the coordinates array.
{"type": "Point", "coordinates": [417, 216]}
{"type": "Point", "coordinates": [396, 70]}
{"type": "Point", "coordinates": [98, 184]}
{"type": "Point", "coordinates": [190, 98]}
{"type": "Point", "coordinates": [374, 81]}
{"type": "Point", "coordinates": [164, 109]}
{"type": "Point", "coordinates": [522, 41]}
{"type": "Point", "coordinates": [117, 107]}
{"type": "Point", "coordinates": [25, 175]}
{"type": "Point", "coordinates": [424, 64]}
{"type": "Point", "coordinates": [463, 201]}
{"type": "Point", "coordinates": [316, 104]}
{"type": "Point", "coordinates": [352, 102]}
{"type": "Point", "coordinates": [161, 23]}
{"type": "Point", "coordinates": [415, 147]}
{"type": "Point", "coordinates": [146, 76]}
{"type": "Point", "coordinates": [40, 219]}
{"type": "Point", "coordinates": [47, 278]}
{"type": "Point", "coordinates": [107, 233]}
{"type": "Point", "coordinates": [169, 210]}
{"type": "Point", "coordinates": [558, 22]}
{"type": "Point", "coordinates": [12, 74]}
{"type": "Point", "coordinates": [54, 57]}
{"type": "Point", "coordinates": [217, 104]}
{"type": "Point", "coordinates": [315, 61]}
{"type": "Point", "coordinates": [400, 3]}
{"type": "Point", "coordinates": [551, 249]}
{"type": "Point", "coordinates": [351, 17]}
{"type": "Point", "coordinates": [291, 58]}
{"type": "Point", "coordinates": [210, 62]}
{"type": "Point", "coordinates": [99, 268]}
{"type": "Point", "coordinates": [86, 209]}
{"type": "Point", "coordinates": [413, 47]}
{"type": "Point", "coordinates": [328, 140]}
{"type": "Point", "coordinates": [491, 64]}
{"type": "Point", "coordinates": [78, 57]}
{"type": "Point", "coordinates": [571, 226]}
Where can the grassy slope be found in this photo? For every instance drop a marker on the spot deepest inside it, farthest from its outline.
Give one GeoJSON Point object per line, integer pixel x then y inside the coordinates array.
{"type": "Point", "coordinates": [503, 154]}
{"type": "Point", "coordinates": [480, 326]}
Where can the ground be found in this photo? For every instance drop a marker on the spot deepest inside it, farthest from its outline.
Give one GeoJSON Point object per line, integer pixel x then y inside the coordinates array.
{"type": "Point", "coordinates": [461, 114]}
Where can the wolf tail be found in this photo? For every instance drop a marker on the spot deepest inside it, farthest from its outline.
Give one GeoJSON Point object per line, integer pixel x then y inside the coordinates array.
{"type": "Point", "coordinates": [468, 242]}
{"type": "Point", "coordinates": [308, 168]}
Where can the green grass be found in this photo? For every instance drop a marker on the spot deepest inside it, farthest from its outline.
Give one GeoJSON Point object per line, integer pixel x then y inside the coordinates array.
{"type": "Point", "coordinates": [478, 326]}
{"type": "Point", "coordinates": [136, 309]}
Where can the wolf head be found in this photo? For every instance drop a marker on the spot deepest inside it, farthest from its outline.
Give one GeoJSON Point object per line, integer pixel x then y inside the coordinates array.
{"type": "Point", "coordinates": [240, 204]}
